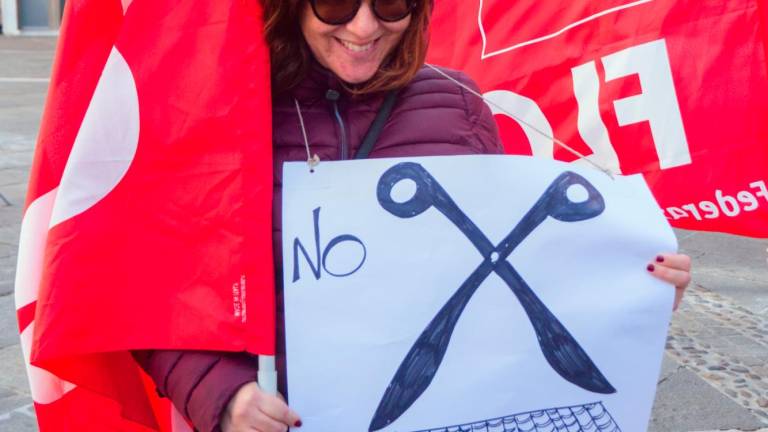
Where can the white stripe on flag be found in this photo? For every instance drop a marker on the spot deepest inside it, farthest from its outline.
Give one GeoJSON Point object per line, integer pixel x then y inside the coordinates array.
{"type": "Point", "coordinates": [105, 145]}
{"type": "Point", "coordinates": [126, 4]}
{"type": "Point", "coordinates": [101, 155]}
{"type": "Point", "coordinates": [34, 234]}
{"type": "Point", "coordinates": [46, 387]}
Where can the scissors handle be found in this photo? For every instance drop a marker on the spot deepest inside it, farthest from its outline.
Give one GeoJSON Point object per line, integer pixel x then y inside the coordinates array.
{"type": "Point", "coordinates": [554, 202]}
{"type": "Point", "coordinates": [561, 207]}
{"type": "Point", "coordinates": [422, 199]}
{"type": "Point", "coordinates": [429, 193]}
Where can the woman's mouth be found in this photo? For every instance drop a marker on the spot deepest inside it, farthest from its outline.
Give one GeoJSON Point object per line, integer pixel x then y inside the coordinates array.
{"type": "Point", "coordinates": [355, 47]}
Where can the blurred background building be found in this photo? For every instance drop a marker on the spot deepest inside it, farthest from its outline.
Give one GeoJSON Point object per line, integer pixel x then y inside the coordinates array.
{"type": "Point", "coordinates": [30, 17]}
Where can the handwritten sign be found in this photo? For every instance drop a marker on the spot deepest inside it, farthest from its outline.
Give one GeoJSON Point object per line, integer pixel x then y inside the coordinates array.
{"type": "Point", "coordinates": [471, 293]}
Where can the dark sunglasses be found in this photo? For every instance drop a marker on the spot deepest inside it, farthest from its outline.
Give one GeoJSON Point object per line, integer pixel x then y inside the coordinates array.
{"type": "Point", "coordinates": [337, 12]}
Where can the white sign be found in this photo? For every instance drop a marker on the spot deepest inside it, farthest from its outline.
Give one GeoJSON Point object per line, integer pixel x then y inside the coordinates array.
{"type": "Point", "coordinates": [483, 293]}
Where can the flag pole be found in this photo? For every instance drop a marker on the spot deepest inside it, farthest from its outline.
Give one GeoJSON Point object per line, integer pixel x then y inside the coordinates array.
{"type": "Point", "coordinates": [267, 375]}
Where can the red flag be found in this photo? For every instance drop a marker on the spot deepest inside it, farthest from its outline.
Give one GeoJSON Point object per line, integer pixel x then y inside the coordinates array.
{"type": "Point", "coordinates": [148, 219]}
{"type": "Point", "coordinates": [674, 89]}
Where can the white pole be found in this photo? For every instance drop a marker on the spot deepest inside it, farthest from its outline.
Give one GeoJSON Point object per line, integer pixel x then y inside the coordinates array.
{"type": "Point", "coordinates": [10, 12]}
{"type": "Point", "coordinates": [267, 375]}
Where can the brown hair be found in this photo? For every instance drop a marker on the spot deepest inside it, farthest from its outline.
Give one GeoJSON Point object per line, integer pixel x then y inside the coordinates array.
{"type": "Point", "coordinates": [291, 57]}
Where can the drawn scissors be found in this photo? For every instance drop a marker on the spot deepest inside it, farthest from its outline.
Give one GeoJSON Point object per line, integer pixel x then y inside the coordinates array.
{"type": "Point", "coordinates": [560, 349]}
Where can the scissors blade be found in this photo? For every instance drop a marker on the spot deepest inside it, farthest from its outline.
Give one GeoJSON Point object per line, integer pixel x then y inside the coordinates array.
{"type": "Point", "coordinates": [420, 365]}
{"type": "Point", "coordinates": [559, 347]}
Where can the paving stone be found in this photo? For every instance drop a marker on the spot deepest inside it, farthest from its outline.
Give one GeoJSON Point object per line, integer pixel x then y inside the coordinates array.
{"type": "Point", "coordinates": [33, 64]}
{"type": "Point", "coordinates": [13, 402]}
{"type": "Point", "coordinates": [16, 159]}
{"type": "Point", "coordinates": [726, 367]}
{"type": "Point", "coordinates": [20, 112]}
{"type": "Point", "coordinates": [10, 233]}
{"type": "Point", "coordinates": [12, 176]}
{"type": "Point", "coordinates": [723, 369]}
{"type": "Point", "coordinates": [9, 333]}
{"type": "Point", "coordinates": [684, 402]}
{"type": "Point", "coordinates": [18, 423]}
{"type": "Point", "coordinates": [6, 392]}
{"type": "Point", "coordinates": [668, 367]}
{"type": "Point", "coordinates": [755, 363]}
{"type": "Point", "coordinates": [7, 249]}
{"type": "Point", "coordinates": [14, 376]}
{"type": "Point", "coordinates": [30, 44]}
{"type": "Point", "coordinates": [7, 272]}
{"type": "Point", "coordinates": [21, 419]}
{"type": "Point", "coordinates": [734, 265]}
{"type": "Point", "coordinates": [14, 193]}
{"type": "Point", "coordinates": [734, 430]}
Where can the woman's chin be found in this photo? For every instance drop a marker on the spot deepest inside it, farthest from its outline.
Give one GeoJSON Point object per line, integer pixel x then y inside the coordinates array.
{"type": "Point", "coordinates": [355, 76]}
{"type": "Point", "coordinates": [355, 79]}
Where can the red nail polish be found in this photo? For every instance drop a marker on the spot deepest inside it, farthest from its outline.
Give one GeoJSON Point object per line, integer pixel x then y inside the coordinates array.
{"type": "Point", "coordinates": [297, 424]}
{"type": "Point", "coordinates": [651, 267]}
{"type": "Point", "coordinates": [660, 259]}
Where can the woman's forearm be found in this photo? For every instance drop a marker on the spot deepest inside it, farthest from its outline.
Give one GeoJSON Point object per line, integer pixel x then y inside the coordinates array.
{"type": "Point", "coordinates": [200, 384]}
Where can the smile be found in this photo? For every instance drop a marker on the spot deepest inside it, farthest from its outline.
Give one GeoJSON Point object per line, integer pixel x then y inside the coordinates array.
{"type": "Point", "coordinates": [357, 47]}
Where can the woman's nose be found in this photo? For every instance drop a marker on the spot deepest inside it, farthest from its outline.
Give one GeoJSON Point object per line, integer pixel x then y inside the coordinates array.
{"type": "Point", "coordinates": [364, 24]}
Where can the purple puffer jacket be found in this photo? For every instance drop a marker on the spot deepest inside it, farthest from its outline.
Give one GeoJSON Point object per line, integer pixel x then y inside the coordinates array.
{"type": "Point", "coordinates": [432, 116]}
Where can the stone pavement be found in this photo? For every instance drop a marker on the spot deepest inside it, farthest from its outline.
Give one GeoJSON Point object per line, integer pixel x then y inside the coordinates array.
{"type": "Point", "coordinates": [714, 376]}
{"type": "Point", "coordinates": [24, 68]}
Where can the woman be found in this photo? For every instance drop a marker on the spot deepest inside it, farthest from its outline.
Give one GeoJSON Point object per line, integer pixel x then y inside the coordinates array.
{"type": "Point", "coordinates": [330, 81]}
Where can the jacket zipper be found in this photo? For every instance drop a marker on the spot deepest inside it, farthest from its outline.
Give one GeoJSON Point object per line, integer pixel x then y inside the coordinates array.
{"type": "Point", "coordinates": [333, 97]}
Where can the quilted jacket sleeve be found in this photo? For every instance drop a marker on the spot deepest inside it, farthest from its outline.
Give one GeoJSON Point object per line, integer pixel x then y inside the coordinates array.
{"type": "Point", "coordinates": [198, 383]}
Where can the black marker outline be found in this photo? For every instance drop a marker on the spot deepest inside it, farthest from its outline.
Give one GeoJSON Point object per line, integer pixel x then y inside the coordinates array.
{"type": "Point", "coordinates": [322, 257]}
{"type": "Point", "coordinates": [559, 347]}
{"type": "Point", "coordinates": [589, 417]}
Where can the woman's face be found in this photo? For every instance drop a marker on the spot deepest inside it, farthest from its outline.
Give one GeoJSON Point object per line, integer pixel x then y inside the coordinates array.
{"type": "Point", "coordinates": [355, 50]}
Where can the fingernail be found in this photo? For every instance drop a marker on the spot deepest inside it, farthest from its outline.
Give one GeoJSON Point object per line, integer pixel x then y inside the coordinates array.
{"type": "Point", "coordinates": [651, 267]}
{"type": "Point", "coordinates": [297, 424]}
{"type": "Point", "coordinates": [660, 259]}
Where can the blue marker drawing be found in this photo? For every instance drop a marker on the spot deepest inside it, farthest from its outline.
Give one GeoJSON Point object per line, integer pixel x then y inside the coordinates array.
{"type": "Point", "coordinates": [590, 417]}
{"type": "Point", "coordinates": [321, 261]}
{"type": "Point", "coordinates": [559, 347]}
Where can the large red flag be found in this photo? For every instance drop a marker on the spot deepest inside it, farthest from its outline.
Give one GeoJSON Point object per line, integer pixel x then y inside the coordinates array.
{"type": "Point", "coordinates": [147, 222]}
{"type": "Point", "coordinates": [674, 89]}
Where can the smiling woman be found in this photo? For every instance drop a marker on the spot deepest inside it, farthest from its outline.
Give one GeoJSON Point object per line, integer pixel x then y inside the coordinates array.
{"type": "Point", "coordinates": [354, 51]}
{"type": "Point", "coordinates": [348, 81]}
{"type": "Point", "coordinates": [374, 46]}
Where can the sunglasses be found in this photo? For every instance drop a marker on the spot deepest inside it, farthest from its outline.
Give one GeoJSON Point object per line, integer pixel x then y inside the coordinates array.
{"type": "Point", "coordinates": [337, 12]}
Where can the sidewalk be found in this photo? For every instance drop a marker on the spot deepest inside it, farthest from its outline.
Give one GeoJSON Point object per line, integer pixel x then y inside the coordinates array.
{"type": "Point", "coordinates": [715, 373]}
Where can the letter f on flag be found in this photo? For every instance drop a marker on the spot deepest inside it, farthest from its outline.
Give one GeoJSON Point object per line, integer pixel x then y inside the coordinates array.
{"type": "Point", "coordinates": [149, 197]}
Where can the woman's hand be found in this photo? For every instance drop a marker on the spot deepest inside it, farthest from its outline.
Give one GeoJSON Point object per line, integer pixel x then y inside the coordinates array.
{"type": "Point", "coordinates": [675, 269]}
{"type": "Point", "coordinates": [253, 410]}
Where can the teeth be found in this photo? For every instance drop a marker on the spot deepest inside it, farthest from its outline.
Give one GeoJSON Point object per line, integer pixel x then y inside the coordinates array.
{"type": "Point", "coordinates": [355, 47]}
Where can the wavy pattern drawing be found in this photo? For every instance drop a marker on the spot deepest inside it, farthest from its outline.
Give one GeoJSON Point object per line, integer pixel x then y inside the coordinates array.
{"type": "Point", "coordinates": [561, 350]}
{"type": "Point", "coordinates": [591, 417]}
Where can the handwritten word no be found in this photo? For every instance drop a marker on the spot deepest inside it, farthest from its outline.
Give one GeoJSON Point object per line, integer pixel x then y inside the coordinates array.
{"type": "Point", "coordinates": [320, 262]}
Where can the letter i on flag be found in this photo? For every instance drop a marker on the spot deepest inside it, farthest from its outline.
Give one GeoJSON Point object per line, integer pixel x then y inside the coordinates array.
{"type": "Point", "coordinates": [148, 217]}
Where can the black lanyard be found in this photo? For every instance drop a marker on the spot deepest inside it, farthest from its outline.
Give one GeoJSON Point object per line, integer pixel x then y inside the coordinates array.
{"type": "Point", "coordinates": [377, 126]}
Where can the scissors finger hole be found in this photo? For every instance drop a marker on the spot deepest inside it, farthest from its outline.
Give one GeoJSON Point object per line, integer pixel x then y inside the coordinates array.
{"type": "Point", "coordinates": [577, 193]}
{"type": "Point", "coordinates": [403, 191]}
